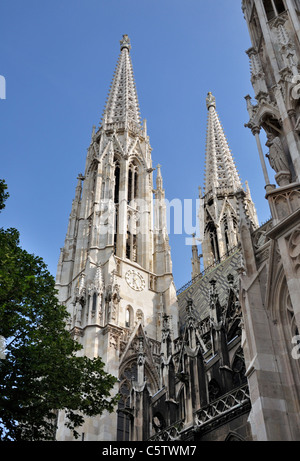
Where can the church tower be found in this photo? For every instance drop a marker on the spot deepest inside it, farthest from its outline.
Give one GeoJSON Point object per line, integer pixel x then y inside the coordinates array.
{"type": "Point", "coordinates": [275, 64]}
{"type": "Point", "coordinates": [115, 272]}
{"type": "Point", "coordinates": [219, 213]}
{"type": "Point", "coordinates": [270, 282]}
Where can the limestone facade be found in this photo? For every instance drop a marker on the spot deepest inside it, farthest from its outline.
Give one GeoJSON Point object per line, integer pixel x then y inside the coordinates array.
{"type": "Point", "coordinates": [217, 359]}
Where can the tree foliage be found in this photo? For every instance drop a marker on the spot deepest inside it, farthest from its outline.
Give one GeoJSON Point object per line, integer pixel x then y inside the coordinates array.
{"type": "Point", "coordinates": [41, 370]}
{"type": "Point", "coordinates": [3, 193]}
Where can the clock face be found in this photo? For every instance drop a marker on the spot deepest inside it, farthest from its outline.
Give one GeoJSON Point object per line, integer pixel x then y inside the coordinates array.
{"type": "Point", "coordinates": [135, 280]}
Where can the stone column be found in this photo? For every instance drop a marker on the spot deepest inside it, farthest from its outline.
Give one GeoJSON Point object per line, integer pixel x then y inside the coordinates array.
{"type": "Point", "coordinates": [256, 132]}
{"type": "Point", "coordinates": [268, 401]}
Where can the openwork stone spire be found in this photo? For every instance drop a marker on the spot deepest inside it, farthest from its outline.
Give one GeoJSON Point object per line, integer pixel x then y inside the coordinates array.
{"type": "Point", "coordinates": [220, 168]}
{"type": "Point", "coordinates": [122, 103]}
{"type": "Point", "coordinates": [219, 210]}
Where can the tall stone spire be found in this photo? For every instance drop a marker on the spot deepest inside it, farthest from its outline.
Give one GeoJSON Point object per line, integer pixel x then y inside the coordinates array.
{"type": "Point", "coordinates": [114, 272]}
{"type": "Point", "coordinates": [122, 103]}
{"type": "Point", "coordinates": [220, 167]}
{"type": "Point", "coordinates": [219, 216]}
{"type": "Point", "coordinates": [162, 251]}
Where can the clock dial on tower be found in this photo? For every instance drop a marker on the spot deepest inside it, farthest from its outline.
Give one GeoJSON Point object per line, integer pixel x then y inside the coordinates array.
{"type": "Point", "coordinates": [135, 280]}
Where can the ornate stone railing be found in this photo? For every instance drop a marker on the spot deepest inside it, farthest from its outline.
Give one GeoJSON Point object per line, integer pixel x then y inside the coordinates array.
{"type": "Point", "coordinates": [170, 434]}
{"type": "Point", "coordinates": [229, 402]}
{"type": "Point", "coordinates": [121, 125]}
{"type": "Point", "coordinates": [207, 270]}
{"type": "Point", "coordinates": [229, 405]}
{"type": "Point", "coordinates": [222, 190]}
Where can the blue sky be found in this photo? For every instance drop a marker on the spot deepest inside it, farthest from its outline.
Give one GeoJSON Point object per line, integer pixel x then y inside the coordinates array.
{"type": "Point", "coordinates": [58, 59]}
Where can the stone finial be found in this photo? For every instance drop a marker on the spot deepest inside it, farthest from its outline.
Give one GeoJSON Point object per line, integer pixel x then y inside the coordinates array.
{"type": "Point", "coordinates": [159, 180]}
{"type": "Point", "coordinates": [249, 105]}
{"type": "Point", "coordinates": [210, 100]}
{"type": "Point", "coordinates": [125, 42]}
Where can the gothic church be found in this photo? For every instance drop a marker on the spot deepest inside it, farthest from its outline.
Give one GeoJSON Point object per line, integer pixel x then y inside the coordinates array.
{"type": "Point", "coordinates": [213, 360]}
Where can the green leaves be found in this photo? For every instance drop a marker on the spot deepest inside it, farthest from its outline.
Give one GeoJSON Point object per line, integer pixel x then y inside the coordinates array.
{"type": "Point", "coordinates": [3, 194]}
{"type": "Point", "coordinates": [41, 372]}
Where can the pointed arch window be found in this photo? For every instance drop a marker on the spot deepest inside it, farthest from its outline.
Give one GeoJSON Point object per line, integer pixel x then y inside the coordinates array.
{"type": "Point", "coordinates": [132, 216]}
{"type": "Point", "coordinates": [226, 234]}
{"type": "Point", "coordinates": [182, 401]}
{"type": "Point", "coordinates": [129, 195]}
{"type": "Point", "coordinates": [134, 249]}
{"type": "Point", "coordinates": [94, 180]}
{"type": "Point", "coordinates": [117, 182]}
{"type": "Point", "coordinates": [129, 317]}
{"type": "Point", "coordinates": [229, 228]}
{"type": "Point", "coordinates": [131, 240]}
{"type": "Point", "coordinates": [132, 183]}
{"type": "Point", "coordinates": [94, 303]}
{"type": "Point", "coordinates": [135, 188]}
{"type": "Point", "coordinates": [273, 8]}
{"type": "Point", "coordinates": [123, 424]}
{"type": "Point", "coordinates": [128, 246]}
{"type": "Point", "coordinates": [279, 6]}
{"type": "Point", "coordinates": [211, 229]}
{"type": "Point", "coordinates": [93, 176]}
{"type": "Point", "coordinates": [116, 202]}
{"type": "Point", "coordinates": [255, 27]}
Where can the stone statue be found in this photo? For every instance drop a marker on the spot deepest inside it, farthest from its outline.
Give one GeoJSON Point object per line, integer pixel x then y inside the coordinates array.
{"type": "Point", "coordinates": [276, 155]}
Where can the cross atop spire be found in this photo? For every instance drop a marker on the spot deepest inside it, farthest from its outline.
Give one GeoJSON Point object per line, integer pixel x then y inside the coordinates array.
{"type": "Point", "coordinates": [210, 100]}
{"type": "Point", "coordinates": [125, 42]}
{"type": "Point", "coordinates": [220, 167]}
{"type": "Point", "coordinates": [122, 102]}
